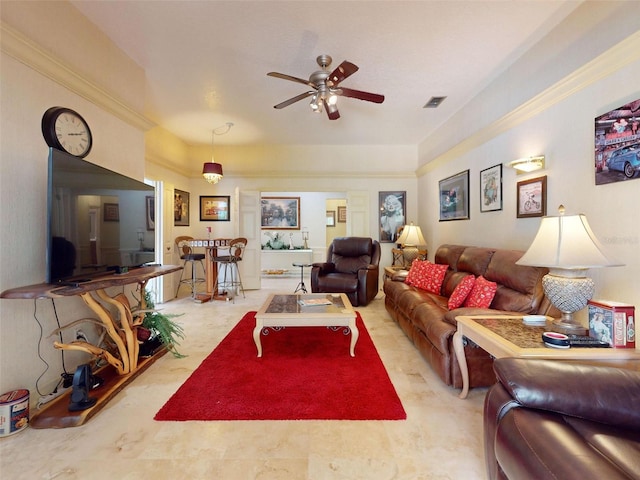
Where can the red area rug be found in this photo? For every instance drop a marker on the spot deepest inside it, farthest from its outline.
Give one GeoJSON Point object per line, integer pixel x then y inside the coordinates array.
{"type": "Point", "coordinates": [305, 373]}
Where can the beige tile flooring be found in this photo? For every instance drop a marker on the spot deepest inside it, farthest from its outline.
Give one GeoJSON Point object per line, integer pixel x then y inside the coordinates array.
{"type": "Point", "coordinates": [441, 438]}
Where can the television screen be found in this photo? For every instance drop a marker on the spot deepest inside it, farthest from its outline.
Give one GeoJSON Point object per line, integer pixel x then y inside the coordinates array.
{"type": "Point", "coordinates": [98, 220]}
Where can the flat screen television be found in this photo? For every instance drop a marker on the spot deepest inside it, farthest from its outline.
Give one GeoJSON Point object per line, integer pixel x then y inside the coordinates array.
{"type": "Point", "coordinates": [98, 220]}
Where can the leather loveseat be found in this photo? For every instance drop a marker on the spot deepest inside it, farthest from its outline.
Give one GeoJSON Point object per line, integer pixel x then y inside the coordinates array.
{"type": "Point", "coordinates": [553, 420]}
{"type": "Point", "coordinates": [351, 268]}
{"type": "Point", "coordinates": [426, 320]}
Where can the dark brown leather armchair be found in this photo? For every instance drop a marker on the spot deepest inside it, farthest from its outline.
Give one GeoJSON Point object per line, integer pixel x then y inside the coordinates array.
{"type": "Point", "coordinates": [548, 419]}
{"type": "Point", "coordinates": [351, 268]}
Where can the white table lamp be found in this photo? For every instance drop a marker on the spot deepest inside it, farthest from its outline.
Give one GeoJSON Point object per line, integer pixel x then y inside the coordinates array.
{"type": "Point", "coordinates": [567, 246]}
{"type": "Point", "coordinates": [410, 238]}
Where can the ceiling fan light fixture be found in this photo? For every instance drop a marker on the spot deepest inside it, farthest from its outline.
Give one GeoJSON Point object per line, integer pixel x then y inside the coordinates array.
{"type": "Point", "coordinates": [333, 99]}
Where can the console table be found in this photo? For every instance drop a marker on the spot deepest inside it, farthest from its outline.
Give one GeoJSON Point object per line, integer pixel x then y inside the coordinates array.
{"type": "Point", "coordinates": [124, 364]}
{"type": "Point", "coordinates": [508, 336]}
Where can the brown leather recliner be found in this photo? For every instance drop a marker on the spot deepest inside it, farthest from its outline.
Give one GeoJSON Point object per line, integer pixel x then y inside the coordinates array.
{"type": "Point", "coordinates": [351, 268]}
{"type": "Point", "coordinates": [547, 419]}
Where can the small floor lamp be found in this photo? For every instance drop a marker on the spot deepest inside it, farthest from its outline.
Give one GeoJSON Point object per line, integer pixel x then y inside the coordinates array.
{"type": "Point", "coordinates": [567, 246]}
{"type": "Point", "coordinates": [410, 238]}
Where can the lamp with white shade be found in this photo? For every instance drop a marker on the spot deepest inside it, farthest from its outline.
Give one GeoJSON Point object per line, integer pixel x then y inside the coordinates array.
{"type": "Point", "coordinates": [410, 239]}
{"type": "Point", "coordinates": [567, 246]}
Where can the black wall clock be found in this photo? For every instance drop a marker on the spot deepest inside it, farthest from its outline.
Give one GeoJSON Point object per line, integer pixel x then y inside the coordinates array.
{"type": "Point", "coordinates": [66, 130]}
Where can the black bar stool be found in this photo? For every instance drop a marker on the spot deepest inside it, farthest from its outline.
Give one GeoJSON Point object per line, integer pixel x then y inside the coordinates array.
{"type": "Point", "coordinates": [187, 254]}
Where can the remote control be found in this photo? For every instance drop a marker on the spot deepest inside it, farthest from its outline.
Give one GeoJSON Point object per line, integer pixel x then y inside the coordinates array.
{"type": "Point", "coordinates": [586, 341]}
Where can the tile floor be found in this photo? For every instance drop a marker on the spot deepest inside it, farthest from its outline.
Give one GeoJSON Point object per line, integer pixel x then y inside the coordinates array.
{"type": "Point", "coordinates": [440, 440]}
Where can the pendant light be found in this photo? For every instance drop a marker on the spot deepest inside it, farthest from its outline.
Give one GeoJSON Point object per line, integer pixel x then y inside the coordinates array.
{"type": "Point", "coordinates": [212, 171]}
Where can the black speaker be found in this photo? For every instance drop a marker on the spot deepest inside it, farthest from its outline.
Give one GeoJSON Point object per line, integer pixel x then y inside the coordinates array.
{"type": "Point", "coordinates": [82, 385]}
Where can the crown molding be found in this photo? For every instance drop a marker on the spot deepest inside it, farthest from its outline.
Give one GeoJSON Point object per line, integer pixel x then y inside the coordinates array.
{"type": "Point", "coordinates": [609, 62]}
{"type": "Point", "coordinates": [24, 50]}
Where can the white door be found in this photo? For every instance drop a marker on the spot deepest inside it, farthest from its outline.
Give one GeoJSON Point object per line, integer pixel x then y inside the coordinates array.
{"type": "Point", "coordinates": [248, 206]}
{"type": "Point", "coordinates": [358, 214]}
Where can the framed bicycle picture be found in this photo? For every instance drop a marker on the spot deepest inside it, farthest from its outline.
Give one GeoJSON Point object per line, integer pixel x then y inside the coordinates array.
{"type": "Point", "coordinates": [532, 197]}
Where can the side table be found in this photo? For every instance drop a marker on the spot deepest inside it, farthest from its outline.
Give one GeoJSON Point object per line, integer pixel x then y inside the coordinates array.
{"type": "Point", "coordinates": [301, 286]}
{"type": "Point", "coordinates": [507, 336]}
{"type": "Point", "coordinates": [395, 273]}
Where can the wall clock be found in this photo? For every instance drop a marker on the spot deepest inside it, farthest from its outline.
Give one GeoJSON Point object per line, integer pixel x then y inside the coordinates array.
{"type": "Point", "coordinates": [66, 130]}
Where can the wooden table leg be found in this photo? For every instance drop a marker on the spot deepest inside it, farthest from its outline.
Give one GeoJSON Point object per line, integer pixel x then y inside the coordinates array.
{"type": "Point", "coordinates": [458, 347]}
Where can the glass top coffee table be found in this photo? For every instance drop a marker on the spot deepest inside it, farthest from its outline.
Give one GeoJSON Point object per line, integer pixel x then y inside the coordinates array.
{"type": "Point", "coordinates": [331, 310]}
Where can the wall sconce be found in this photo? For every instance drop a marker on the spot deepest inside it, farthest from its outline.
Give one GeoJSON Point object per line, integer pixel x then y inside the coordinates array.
{"type": "Point", "coordinates": [528, 164]}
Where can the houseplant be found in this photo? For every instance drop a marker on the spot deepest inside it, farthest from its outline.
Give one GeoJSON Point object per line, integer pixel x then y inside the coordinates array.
{"type": "Point", "coordinates": [160, 326]}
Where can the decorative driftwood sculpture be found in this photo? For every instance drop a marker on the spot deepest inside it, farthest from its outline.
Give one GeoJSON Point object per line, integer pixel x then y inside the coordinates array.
{"type": "Point", "coordinates": [122, 330]}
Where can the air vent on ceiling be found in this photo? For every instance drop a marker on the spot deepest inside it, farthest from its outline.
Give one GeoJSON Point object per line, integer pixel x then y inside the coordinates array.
{"type": "Point", "coordinates": [434, 102]}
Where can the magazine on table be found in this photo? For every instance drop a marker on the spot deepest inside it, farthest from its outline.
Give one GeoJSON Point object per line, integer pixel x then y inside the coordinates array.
{"type": "Point", "coordinates": [314, 302]}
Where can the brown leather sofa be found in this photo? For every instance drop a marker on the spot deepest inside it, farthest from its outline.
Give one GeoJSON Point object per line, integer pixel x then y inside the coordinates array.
{"type": "Point", "coordinates": [553, 420]}
{"type": "Point", "coordinates": [425, 319]}
{"type": "Point", "coordinates": [351, 268]}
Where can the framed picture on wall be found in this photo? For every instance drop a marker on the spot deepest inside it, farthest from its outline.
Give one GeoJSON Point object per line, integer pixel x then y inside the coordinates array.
{"type": "Point", "coordinates": [491, 189]}
{"type": "Point", "coordinates": [214, 208]}
{"type": "Point", "coordinates": [454, 197]}
{"type": "Point", "coordinates": [111, 212]}
{"type": "Point", "coordinates": [617, 144]}
{"type": "Point", "coordinates": [280, 213]}
{"type": "Point", "coordinates": [180, 208]}
{"type": "Point", "coordinates": [532, 197]}
{"type": "Point", "coordinates": [391, 207]}
{"type": "Point", "coordinates": [331, 218]}
{"type": "Point", "coordinates": [342, 214]}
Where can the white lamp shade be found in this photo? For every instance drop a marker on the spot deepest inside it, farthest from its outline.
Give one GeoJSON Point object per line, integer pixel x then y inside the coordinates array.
{"type": "Point", "coordinates": [566, 242]}
{"type": "Point", "coordinates": [411, 235]}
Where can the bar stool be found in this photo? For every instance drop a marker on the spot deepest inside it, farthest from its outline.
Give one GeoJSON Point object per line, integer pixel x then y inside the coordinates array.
{"type": "Point", "coordinates": [187, 254]}
{"type": "Point", "coordinates": [228, 265]}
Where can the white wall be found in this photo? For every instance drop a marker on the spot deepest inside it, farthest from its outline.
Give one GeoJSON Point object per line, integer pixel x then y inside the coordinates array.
{"type": "Point", "coordinates": [25, 94]}
{"type": "Point", "coordinates": [556, 118]}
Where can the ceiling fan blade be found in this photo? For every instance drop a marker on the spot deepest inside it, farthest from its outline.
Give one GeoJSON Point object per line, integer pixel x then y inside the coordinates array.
{"type": "Point", "coordinates": [360, 95]}
{"type": "Point", "coordinates": [332, 111]}
{"type": "Point", "coordinates": [344, 70]}
{"type": "Point", "coordinates": [293, 79]}
{"type": "Point", "coordinates": [295, 99]}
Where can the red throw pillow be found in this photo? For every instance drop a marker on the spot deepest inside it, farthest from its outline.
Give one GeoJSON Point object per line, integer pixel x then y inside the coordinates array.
{"type": "Point", "coordinates": [430, 276]}
{"type": "Point", "coordinates": [461, 292]}
{"type": "Point", "coordinates": [482, 293]}
{"type": "Point", "coordinates": [417, 267]}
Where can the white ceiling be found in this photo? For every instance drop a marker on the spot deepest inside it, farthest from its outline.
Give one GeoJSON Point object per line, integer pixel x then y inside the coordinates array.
{"type": "Point", "coordinates": [206, 61]}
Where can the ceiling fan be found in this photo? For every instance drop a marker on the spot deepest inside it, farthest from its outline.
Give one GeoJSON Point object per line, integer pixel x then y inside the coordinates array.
{"type": "Point", "coordinates": [326, 87]}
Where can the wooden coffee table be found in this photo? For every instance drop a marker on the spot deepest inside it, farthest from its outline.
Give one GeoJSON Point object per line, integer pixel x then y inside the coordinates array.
{"type": "Point", "coordinates": [285, 310]}
{"type": "Point", "coordinates": [507, 336]}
